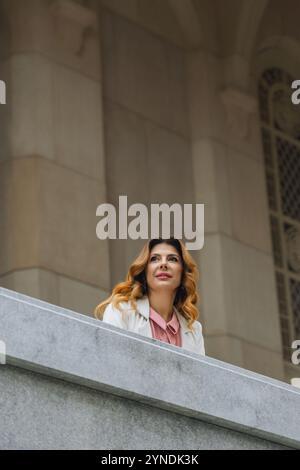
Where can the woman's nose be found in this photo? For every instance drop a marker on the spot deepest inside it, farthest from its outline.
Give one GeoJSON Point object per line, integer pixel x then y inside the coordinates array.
{"type": "Point", "coordinates": [163, 263]}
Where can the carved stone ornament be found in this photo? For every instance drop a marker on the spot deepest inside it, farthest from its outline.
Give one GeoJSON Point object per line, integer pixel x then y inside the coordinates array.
{"type": "Point", "coordinates": [239, 106]}
{"type": "Point", "coordinates": [73, 22]}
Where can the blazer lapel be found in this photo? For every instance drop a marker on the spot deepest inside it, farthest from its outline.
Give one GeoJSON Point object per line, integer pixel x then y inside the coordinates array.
{"type": "Point", "coordinates": [143, 306]}
{"type": "Point", "coordinates": [187, 337]}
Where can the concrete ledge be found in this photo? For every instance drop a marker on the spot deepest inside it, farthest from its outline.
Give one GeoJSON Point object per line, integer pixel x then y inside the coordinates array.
{"type": "Point", "coordinates": [61, 344]}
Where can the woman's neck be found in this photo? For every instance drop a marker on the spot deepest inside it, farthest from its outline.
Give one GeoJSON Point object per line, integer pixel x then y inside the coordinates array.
{"type": "Point", "coordinates": [162, 303]}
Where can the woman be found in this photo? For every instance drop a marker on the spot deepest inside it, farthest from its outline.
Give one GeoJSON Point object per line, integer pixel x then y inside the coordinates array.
{"type": "Point", "coordinates": [158, 298]}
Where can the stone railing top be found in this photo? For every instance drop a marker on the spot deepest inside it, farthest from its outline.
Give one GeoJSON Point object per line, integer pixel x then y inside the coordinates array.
{"type": "Point", "coordinates": [65, 344]}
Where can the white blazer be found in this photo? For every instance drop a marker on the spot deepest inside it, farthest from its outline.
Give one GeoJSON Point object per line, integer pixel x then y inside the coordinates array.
{"type": "Point", "coordinates": [138, 322]}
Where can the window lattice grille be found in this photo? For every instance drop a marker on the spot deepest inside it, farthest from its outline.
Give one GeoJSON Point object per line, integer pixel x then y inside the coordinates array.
{"type": "Point", "coordinates": [295, 294]}
{"type": "Point", "coordinates": [289, 173]}
{"type": "Point", "coordinates": [280, 126]}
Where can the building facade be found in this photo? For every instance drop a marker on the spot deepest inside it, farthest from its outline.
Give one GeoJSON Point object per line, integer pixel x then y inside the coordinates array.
{"type": "Point", "coordinates": [162, 101]}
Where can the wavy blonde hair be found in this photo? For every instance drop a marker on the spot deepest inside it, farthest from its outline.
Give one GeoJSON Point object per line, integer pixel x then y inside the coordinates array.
{"type": "Point", "coordinates": [135, 286]}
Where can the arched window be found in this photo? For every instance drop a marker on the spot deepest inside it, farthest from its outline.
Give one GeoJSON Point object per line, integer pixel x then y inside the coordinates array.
{"type": "Point", "coordinates": [280, 125]}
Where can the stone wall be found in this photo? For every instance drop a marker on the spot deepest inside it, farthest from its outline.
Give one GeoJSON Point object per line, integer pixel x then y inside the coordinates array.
{"type": "Point", "coordinates": [158, 101]}
{"type": "Point", "coordinates": [73, 382]}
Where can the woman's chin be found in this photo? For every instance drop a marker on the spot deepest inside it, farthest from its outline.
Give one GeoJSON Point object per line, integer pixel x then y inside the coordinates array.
{"type": "Point", "coordinates": [162, 285]}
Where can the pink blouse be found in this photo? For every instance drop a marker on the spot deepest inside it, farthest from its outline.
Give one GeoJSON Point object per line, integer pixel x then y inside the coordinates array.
{"type": "Point", "coordinates": [163, 331]}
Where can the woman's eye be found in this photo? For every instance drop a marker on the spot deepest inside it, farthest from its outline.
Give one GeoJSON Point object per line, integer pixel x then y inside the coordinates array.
{"type": "Point", "coordinates": [171, 258]}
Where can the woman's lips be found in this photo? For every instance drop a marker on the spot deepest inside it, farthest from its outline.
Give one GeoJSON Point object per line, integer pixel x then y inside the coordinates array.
{"type": "Point", "coordinates": [164, 276]}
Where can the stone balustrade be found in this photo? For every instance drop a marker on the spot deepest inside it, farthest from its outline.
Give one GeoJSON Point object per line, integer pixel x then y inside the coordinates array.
{"type": "Point", "coordinates": [73, 382]}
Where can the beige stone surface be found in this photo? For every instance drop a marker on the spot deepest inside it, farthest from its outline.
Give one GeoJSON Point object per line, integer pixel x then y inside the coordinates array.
{"type": "Point", "coordinates": [212, 186]}
{"type": "Point", "coordinates": [144, 73]}
{"type": "Point", "coordinates": [238, 292]}
{"type": "Point", "coordinates": [68, 205]}
{"type": "Point", "coordinates": [272, 21]}
{"type": "Point", "coordinates": [59, 290]}
{"type": "Point", "coordinates": [127, 174]}
{"type": "Point", "coordinates": [169, 165]}
{"type": "Point", "coordinates": [126, 154]}
{"type": "Point", "coordinates": [245, 135]}
{"type": "Point", "coordinates": [250, 294]}
{"type": "Point", "coordinates": [262, 360]}
{"type": "Point", "coordinates": [144, 161]}
{"type": "Point", "coordinates": [34, 282]}
{"type": "Point", "coordinates": [213, 312]}
{"type": "Point", "coordinates": [248, 202]}
{"type": "Point", "coordinates": [58, 115]}
{"type": "Point", "coordinates": [129, 8]}
{"type": "Point", "coordinates": [78, 296]}
{"type": "Point", "coordinates": [28, 24]}
{"type": "Point", "coordinates": [32, 125]}
{"type": "Point", "coordinates": [154, 15]}
{"type": "Point", "coordinates": [244, 354]}
{"type": "Point", "coordinates": [39, 26]}
{"type": "Point", "coordinates": [4, 109]}
{"type": "Point", "coordinates": [226, 348]}
{"type": "Point", "coordinates": [50, 221]}
{"type": "Point", "coordinates": [19, 218]}
{"type": "Point", "coordinates": [78, 122]}
{"type": "Point", "coordinates": [148, 164]}
{"type": "Point", "coordinates": [204, 83]}
{"type": "Point", "coordinates": [291, 371]}
{"type": "Point", "coordinates": [167, 139]}
{"type": "Point", "coordinates": [236, 71]}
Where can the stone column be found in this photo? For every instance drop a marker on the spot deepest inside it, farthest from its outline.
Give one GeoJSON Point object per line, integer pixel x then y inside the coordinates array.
{"type": "Point", "coordinates": [52, 171]}
{"type": "Point", "coordinates": [239, 302]}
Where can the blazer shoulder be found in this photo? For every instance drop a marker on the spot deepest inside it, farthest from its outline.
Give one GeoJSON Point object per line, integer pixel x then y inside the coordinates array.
{"type": "Point", "coordinates": [199, 336]}
{"type": "Point", "coordinates": [118, 316]}
{"type": "Point", "coordinates": [198, 326]}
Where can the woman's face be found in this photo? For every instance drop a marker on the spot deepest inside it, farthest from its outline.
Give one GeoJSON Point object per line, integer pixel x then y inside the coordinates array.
{"type": "Point", "coordinates": [164, 268]}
